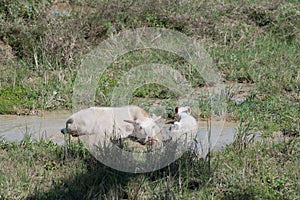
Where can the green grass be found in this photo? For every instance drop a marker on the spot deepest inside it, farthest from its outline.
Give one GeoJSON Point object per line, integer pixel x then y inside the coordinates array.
{"type": "Point", "coordinates": [43, 170]}
{"type": "Point", "coordinates": [251, 42]}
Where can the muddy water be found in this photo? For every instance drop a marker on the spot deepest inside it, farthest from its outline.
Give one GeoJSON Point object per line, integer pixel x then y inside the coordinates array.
{"type": "Point", "coordinates": [14, 128]}
{"type": "Point", "coordinates": [218, 135]}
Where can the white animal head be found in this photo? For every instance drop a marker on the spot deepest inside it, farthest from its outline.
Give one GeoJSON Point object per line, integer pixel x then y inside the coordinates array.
{"type": "Point", "coordinates": [145, 128]}
{"type": "Point", "coordinates": [182, 112]}
{"type": "Point", "coordinates": [185, 120]}
{"type": "Point", "coordinates": [186, 109]}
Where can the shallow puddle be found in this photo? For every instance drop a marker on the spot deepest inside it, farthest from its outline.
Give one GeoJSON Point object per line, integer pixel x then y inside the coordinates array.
{"type": "Point", "coordinates": [14, 128]}
{"type": "Point", "coordinates": [220, 134]}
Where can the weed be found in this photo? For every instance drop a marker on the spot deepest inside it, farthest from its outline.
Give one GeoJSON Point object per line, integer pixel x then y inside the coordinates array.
{"type": "Point", "coordinates": [251, 42]}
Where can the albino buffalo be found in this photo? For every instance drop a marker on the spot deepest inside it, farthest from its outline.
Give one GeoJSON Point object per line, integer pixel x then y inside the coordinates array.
{"type": "Point", "coordinates": [113, 121]}
{"type": "Point", "coordinates": [185, 129]}
{"type": "Point", "coordinates": [186, 122]}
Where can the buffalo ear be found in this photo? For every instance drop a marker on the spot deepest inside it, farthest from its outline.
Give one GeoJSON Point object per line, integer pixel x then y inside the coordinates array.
{"type": "Point", "coordinates": [188, 110]}
{"type": "Point", "coordinates": [176, 110]}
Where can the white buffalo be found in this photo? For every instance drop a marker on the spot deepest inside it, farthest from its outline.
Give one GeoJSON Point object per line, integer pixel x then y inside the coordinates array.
{"type": "Point", "coordinates": [113, 121]}
{"type": "Point", "coordinates": [186, 122]}
{"type": "Point", "coordinates": [185, 129]}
